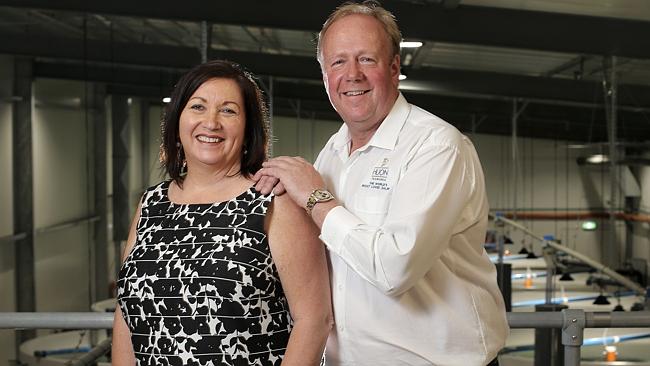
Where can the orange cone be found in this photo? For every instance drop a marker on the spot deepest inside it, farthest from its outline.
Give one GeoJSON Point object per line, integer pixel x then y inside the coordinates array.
{"type": "Point", "coordinates": [610, 353]}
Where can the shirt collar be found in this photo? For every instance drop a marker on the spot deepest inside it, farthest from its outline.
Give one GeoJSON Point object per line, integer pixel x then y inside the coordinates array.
{"type": "Point", "coordinates": [386, 135]}
{"type": "Point", "coordinates": [342, 139]}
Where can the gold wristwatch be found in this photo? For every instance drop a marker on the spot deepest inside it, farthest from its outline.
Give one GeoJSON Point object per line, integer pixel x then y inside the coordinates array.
{"type": "Point", "coordinates": [317, 196]}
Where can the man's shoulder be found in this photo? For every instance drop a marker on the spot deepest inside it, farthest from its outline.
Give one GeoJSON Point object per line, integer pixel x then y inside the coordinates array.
{"type": "Point", "coordinates": [437, 131]}
{"type": "Point", "coordinates": [424, 119]}
{"type": "Point", "coordinates": [329, 149]}
{"type": "Point", "coordinates": [333, 139]}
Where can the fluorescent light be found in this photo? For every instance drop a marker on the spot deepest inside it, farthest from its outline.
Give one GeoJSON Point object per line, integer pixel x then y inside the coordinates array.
{"type": "Point", "coordinates": [578, 146]}
{"type": "Point", "coordinates": [410, 44]}
{"type": "Point", "coordinates": [402, 77]}
{"type": "Point", "coordinates": [167, 99]}
{"type": "Point", "coordinates": [589, 225]}
{"type": "Point", "coordinates": [597, 159]}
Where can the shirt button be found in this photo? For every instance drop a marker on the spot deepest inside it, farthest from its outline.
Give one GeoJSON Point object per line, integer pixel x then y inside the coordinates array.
{"type": "Point", "coordinates": [341, 328]}
{"type": "Point", "coordinates": [340, 286]}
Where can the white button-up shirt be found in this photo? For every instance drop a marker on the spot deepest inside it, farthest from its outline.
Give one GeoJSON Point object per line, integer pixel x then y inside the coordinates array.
{"type": "Point", "coordinates": [411, 282]}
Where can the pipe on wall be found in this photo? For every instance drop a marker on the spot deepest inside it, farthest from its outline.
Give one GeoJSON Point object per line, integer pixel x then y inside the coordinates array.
{"type": "Point", "coordinates": [575, 215]}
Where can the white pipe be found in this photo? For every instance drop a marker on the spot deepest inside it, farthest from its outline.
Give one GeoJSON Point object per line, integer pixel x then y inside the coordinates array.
{"type": "Point", "coordinates": [592, 263]}
{"type": "Point", "coordinates": [596, 319]}
{"type": "Point", "coordinates": [93, 320]}
{"type": "Point", "coordinates": [56, 320]}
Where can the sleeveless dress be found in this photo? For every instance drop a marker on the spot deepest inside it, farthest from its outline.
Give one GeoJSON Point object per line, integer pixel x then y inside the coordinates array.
{"type": "Point", "coordinates": [200, 286]}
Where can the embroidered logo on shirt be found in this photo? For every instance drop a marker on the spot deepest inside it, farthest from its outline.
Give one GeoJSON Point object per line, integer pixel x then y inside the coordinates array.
{"type": "Point", "coordinates": [379, 177]}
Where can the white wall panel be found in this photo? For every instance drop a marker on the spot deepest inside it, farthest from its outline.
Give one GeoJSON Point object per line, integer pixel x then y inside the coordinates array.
{"type": "Point", "coordinates": [6, 169]}
{"type": "Point", "coordinates": [7, 287]}
{"type": "Point", "coordinates": [155, 174]}
{"type": "Point", "coordinates": [301, 137]}
{"type": "Point", "coordinates": [61, 194]}
{"type": "Point", "coordinates": [136, 183]}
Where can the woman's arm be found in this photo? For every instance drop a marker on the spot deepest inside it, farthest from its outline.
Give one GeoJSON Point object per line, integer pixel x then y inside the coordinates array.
{"type": "Point", "coordinates": [300, 258]}
{"type": "Point", "coordinates": [122, 349]}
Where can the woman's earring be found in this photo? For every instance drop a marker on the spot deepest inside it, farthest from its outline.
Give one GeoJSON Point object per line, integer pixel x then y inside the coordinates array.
{"type": "Point", "coordinates": [180, 158]}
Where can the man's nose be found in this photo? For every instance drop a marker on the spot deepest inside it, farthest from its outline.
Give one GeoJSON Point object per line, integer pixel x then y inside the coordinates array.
{"type": "Point", "coordinates": [354, 71]}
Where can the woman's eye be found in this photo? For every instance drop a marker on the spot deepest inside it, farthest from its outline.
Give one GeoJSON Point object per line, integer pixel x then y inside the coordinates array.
{"type": "Point", "coordinates": [228, 110]}
{"type": "Point", "coordinates": [197, 107]}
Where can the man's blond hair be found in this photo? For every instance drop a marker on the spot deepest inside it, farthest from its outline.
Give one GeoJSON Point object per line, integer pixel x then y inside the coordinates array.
{"type": "Point", "coordinates": [368, 7]}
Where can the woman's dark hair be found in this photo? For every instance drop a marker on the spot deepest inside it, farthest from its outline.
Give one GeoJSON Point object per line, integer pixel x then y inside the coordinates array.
{"type": "Point", "coordinates": [255, 145]}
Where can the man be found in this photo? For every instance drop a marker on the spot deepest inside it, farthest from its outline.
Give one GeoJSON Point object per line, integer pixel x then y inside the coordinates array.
{"type": "Point", "coordinates": [400, 199]}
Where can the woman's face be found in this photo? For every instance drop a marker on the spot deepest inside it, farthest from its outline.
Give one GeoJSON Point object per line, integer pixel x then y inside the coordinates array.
{"type": "Point", "coordinates": [211, 126]}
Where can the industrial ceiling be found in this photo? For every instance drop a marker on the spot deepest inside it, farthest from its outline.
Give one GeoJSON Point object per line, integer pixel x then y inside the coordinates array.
{"type": "Point", "coordinates": [481, 60]}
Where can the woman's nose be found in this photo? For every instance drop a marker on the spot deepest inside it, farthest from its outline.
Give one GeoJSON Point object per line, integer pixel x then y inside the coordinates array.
{"type": "Point", "coordinates": [212, 121]}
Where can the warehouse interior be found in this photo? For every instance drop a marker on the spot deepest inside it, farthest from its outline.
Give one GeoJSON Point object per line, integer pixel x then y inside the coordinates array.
{"type": "Point", "coordinates": [555, 95]}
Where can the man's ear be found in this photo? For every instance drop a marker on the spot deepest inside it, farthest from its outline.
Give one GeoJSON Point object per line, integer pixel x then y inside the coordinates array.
{"type": "Point", "coordinates": [327, 91]}
{"type": "Point", "coordinates": [395, 67]}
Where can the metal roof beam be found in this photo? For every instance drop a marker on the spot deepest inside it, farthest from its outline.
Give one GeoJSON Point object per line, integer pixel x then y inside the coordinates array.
{"type": "Point", "coordinates": [159, 56]}
{"type": "Point", "coordinates": [489, 26]}
{"type": "Point", "coordinates": [475, 84]}
{"type": "Point", "coordinates": [481, 84]}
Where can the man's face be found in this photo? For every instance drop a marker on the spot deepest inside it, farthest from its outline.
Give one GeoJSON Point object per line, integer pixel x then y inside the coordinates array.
{"type": "Point", "coordinates": [359, 71]}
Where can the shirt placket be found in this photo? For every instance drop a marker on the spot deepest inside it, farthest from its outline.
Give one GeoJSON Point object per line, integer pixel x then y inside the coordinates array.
{"type": "Point", "coordinates": [341, 269]}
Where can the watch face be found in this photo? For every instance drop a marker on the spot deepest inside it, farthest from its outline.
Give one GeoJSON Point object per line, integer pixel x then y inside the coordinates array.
{"type": "Point", "coordinates": [322, 195]}
{"type": "Point", "coordinates": [318, 195]}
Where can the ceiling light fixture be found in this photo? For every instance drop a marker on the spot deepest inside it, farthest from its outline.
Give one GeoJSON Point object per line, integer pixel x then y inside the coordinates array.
{"type": "Point", "coordinates": [410, 44]}
{"type": "Point", "coordinates": [167, 99]}
{"type": "Point", "coordinates": [402, 77]}
{"type": "Point", "coordinates": [597, 159]}
{"type": "Point", "coordinates": [589, 225]}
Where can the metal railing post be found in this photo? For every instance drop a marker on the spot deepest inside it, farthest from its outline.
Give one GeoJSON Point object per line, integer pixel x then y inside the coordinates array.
{"type": "Point", "coordinates": [94, 354]}
{"type": "Point", "coordinates": [572, 335]}
{"type": "Point", "coordinates": [549, 350]}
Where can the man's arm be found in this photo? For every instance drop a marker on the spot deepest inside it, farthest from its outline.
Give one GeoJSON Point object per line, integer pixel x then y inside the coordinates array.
{"type": "Point", "coordinates": [426, 209]}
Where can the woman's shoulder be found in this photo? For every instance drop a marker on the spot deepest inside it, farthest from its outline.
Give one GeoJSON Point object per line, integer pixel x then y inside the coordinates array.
{"type": "Point", "coordinates": [157, 192]}
{"type": "Point", "coordinates": [284, 202]}
{"type": "Point", "coordinates": [286, 212]}
{"type": "Point", "coordinates": [158, 186]}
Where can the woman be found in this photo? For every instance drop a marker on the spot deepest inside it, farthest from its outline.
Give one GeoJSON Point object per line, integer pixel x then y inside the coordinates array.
{"type": "Point", "coordinates": [212, 274]}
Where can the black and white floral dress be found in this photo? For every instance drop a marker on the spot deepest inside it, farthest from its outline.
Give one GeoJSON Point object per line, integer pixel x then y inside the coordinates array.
{"type": "Point", "coordinates": [200, 286]}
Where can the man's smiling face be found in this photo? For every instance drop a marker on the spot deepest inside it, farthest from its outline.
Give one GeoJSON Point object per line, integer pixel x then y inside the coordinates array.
{"type": "Point", "coordinates": [359, 71]}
